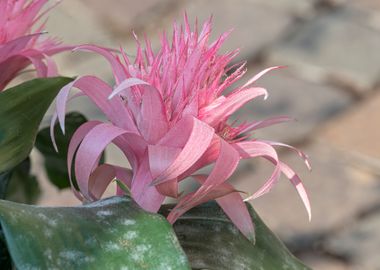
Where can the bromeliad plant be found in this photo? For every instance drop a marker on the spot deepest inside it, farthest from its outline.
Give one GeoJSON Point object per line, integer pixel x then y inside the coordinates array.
{"type": "Point", "coordinates": [169, 113]}
{"type": "Point", "coordinates": [169, 116]}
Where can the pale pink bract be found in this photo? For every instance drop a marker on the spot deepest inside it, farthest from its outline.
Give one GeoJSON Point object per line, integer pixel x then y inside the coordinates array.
{"type": "Point", "coordinates": [169, 116]}
{"type": "Point", "coordinates": [20, 44]}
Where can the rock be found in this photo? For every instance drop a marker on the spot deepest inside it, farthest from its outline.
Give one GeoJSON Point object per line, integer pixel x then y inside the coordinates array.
{"type": "Point", "coordinates": [124, 16]}
{"type": "Point", "coordinates": [302, 9]}
{"type": "Point", "coordinates": [324, 48]}
{"type": "Point", "coordinates": [75, 24]}
{"type": "Point", "coordinates": [322, 262]}
{"type": "Point", "coordinates": [357, 131]}
{"type": "Point", "coordinates": [308, 102]}
{"type": "Point", "coordinates": [336, 193]}
{"type": "Point", "coordinates": [359, 242]}
{"type": "Point", "coordinates": [372, 7]}
{"type": "Point", "coordinates": [256, 23]}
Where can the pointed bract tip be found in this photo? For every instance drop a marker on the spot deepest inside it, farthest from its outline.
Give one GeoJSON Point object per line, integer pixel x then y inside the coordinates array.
{"type": "Point", "coordinates": [252, 237]}
{"type": "Point", "coordinates": [62, 126]}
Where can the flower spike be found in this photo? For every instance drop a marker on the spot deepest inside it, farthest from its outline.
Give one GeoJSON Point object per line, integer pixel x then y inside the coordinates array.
{"type": "Point", "coordinates": [170, 118]}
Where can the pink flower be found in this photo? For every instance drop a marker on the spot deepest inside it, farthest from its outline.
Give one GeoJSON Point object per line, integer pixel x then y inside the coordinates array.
{"type": "Point", "coordinates": [169, 116]}
{"type": "Point", "coordinates": [20, 45]}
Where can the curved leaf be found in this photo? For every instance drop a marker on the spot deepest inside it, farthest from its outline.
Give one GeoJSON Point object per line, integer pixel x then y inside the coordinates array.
{"type": "Point", "coordinates": [5, 177]}
{"type": "Point", "coordinates": [114, 233]}
{"type": "Point", "coordinates": [21, 111]}
{"type": "Point", "coordinates": [211, 241]}
{"type": "Point", "coordinates": [23, 187]}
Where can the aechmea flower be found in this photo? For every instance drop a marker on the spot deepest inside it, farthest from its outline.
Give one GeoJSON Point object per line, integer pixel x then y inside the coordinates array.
{"type": "Point", "coordinates": [170, 117]}
{"type": "Point", "coordinates": [22, 41]}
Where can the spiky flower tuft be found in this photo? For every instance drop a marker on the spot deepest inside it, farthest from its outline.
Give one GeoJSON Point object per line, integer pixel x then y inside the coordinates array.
{"type": "Point", "coordinates": [22, 40]}
{"type": "Point", "coordinates": [169, 115]}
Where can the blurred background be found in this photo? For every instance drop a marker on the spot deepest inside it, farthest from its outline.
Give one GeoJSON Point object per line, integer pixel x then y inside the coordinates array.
{"type": "Point", "coordinates": [332, 50]}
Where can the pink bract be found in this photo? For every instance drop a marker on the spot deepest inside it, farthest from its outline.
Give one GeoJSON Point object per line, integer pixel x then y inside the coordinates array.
{"type": "Point", "coordinates": [20, 45]}
{"type": "Point", "coordinates": [170, 117]}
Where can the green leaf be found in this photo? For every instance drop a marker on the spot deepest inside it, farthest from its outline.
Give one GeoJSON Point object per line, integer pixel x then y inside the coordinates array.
{"type": "Point", "coordinates": [211, 241]}
{"type": "Point", "coordinates": [113, 233]}
{"type": "Point", "coordinates": [23, 187]}
{"type": "Point", "coordinates": [5, 177]}
{"type": "Point", "coordinates": [21, 111]}
{"type": "Point", "coordinates": [56, 163]}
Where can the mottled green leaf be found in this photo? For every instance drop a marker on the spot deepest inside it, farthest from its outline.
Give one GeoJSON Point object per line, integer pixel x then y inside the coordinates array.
{"type": "Point", "coordinates": [21, 111]}
{"type": "Point", "coordinates": [113, 233]}
{"type": "Point", "coordinates": [211, 241]}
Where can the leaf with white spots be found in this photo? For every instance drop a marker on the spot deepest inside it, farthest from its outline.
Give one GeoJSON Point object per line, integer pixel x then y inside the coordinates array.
{"type": "Point", "coordinates": [113, 233]}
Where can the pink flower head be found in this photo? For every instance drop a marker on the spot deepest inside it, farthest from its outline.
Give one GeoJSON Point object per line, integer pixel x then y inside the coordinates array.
{"type": "Point", "coordinates": [20, 45]}
{"type": "Point", "coordinates": [170, 118]}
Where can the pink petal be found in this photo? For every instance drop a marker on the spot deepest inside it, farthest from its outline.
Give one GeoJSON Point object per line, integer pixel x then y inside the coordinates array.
{"type": "Point", "coordinates": [99, 180]}
{"type": "Point", "coordinates": [259, 75]}
{"type": "Point", "coordinates": [116, 66]}
{"type": "Point", "coordinates": [152, 121]}
{"type": "Point", "coordinates": [39, 65]}
{"type": "Point", "coordinates": [208, 157]}
{"type": "Point", "coordinates": [133, 146]}
{"type": "Point", "coordinates": [142, 191]}
{"type": "Point", "coordinates": [52, 134]}
{"type": "Point", "coordinates": [54, 120]}
{"type": "Point", "coordinates": [300, 153]}
{"type": "Point", "coordinates": [169, 188]}
{"type": "Point", "coordinates": [268, 185]}
{"type": "Point", "coordinates": [90, 150]}
{"type": "Point", "coordinates": [61, 101]}
{"type": "Point", "coordinates": [98, 91]}
{"type": "Point", "coordinates": [266, 122]}
{"type": "Point", "coordinates": [233, 205]}
{"type": "Point", "coordinates": [187, 202]}
{"type": "Point", "coordinates": [225, 165]}
{"type": "Point", "coordinates": [194, 137]}
{"type": "Point", "coordinates": [52, 69]}
{"type": "Point", "coordinates": [10, 68]}
{"type": "Point", "coordinates": [235, 208]}
{"type": "Point", "coordinates": [252, 149]}
{"type": "Point", "coordinates": [297, 183]}
{"type": "Point", "coordinates": [160, 158]}
{"type": "Point", "coordinates": [256, 148]}
{"type": "Point", "coordinates": [124, 85]}
{"type": "Point", "coordinates": [15, 46]}
{"type": "Point", "coordinates": [76, 139]}
{"type": "Point", "coordinates": [232, 103]}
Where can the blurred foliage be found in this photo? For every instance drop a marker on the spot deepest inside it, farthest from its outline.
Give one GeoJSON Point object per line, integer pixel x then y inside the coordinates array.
{"type": "Point", "coordinates": [21, 111]}
{"type": "Point", "coordinates": [22, 185]}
